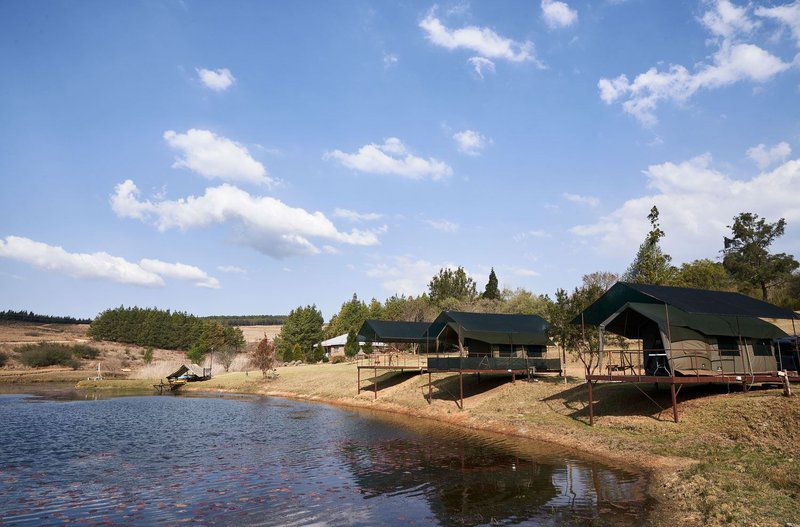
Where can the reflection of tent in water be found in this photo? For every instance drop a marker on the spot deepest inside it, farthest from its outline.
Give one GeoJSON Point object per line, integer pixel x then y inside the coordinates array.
{"type": "Point", "coordinates": [189, 373]}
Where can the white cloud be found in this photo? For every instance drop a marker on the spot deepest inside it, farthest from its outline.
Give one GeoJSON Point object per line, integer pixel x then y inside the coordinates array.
{"type": "Point", "coordinates": [726, 19]}
{"type": "Point", "coordinates": [262, 222]}
{"type": "Point", "coordinates": [180, 271]}
{"type": "Point", "coordinates": [405, 275]}
{"type": "Point", "coordinates": [764, 156]}
{"type": "Point", "coordinates": [101, 265]}
{"type": "Point", "coordinates": [696, 203]}
{"type": "Point", "coordinates": [443, 225]}
{"type": "Point", "coordinates": [521, 271]}
{"type": "Point", "coordinates": [470, 142]}
{"type": "Point", "coordinates": [558, 14]}
{"type": "Point", "coordinates": [585, 200]}
{"type": "Point", "coordinates": [389, 60]}
{"type": "Point", "coordinates": [392, 158]}
{"type": "Point", "coordinates": [480, 40]}
{"type": "Point", "coordinates": [217, 80]}
{"type": "Point", "coordinates": [356, 216]}
{"type": "Point", "coordinates": [732, 62]}
{"type": "Point", "coordinates": [787, 15]}
{"type": "Point", "coordinates": [480, 64]}
{"type": "Point", "coordinates": [215, 157]}
{"type": "Point", "coordinates": [535, 233]}
{"type": "Point", "coordinates": [231, 269]}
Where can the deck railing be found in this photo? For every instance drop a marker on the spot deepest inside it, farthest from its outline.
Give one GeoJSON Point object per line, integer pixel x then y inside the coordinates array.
{"type": "Point", "coordinates": [393, 360]}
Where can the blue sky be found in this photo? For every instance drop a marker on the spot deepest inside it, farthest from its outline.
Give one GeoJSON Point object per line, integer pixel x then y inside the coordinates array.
{"type": "Point", "coordinates": [248, 157]}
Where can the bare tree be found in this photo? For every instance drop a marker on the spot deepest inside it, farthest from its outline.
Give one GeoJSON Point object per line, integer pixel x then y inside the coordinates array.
{"type": "Point", "coordinates": [226, 355]}
{"type": "Point", "coordinates": [263, 356]}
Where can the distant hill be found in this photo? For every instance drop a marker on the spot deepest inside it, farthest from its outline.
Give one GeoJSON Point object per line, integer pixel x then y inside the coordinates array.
{"type": "Point", "coordinates": [249, 320]}
{"type": "Point", "coordinates": [30, 316]}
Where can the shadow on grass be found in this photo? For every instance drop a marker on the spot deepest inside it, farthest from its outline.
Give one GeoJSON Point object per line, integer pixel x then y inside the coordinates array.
{"type": "Point", "coordinates": [629, 399]}
{"type": "Point", "coordinates": [447, 388]}
{"type": "Point", "coordinates": [386, 380]}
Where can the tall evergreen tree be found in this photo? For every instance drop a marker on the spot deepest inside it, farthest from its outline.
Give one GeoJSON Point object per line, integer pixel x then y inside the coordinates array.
{"type": "Point", "coordinates": [651, 265]}
{"type": "Point", "coordinates": [747, 256]}
{"type": "Point", "coordinates": [492, 290]}
{"type": "Point", "coordinates": [451, 283]}
{"type": "Point", "coordinates": [300, 333]}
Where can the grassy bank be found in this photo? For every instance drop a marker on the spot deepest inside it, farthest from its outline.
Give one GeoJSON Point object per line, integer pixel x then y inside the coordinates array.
{"type": "Point", "coordinates": [732, 460]}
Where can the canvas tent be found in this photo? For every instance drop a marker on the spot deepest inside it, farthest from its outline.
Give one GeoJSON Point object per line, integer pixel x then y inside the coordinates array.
{"type": "Point", "coordinates": [690, 331]}
{"type": "Point", "coordinates": [398, 332]}
{"type": "Point", "coordinates": [492, 341]}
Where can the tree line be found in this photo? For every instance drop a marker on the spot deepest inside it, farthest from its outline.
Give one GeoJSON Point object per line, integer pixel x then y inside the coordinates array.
{"type": "Point", "coordinates": [746, 265]}
{"type": "Point", "coordinates": [157, 328]}
{"type": "Point", "coordinates": [30, 316]}
{"type": "Point", "coordinates": [248, 320]}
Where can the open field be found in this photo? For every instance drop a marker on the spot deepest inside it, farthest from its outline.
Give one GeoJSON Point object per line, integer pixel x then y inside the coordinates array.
{"type": "Point", "coordinates": [256, 333]}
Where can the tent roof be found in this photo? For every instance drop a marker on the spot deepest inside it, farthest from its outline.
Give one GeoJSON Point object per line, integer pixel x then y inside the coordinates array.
{"type": "Point", "coordinates": [691, 301]}
{"type": "Point", "coordinates": [685, 326]}
{"type": "Point", "coordinates": [395, 331]}
{"type": "Point", "coordinates": [341, 340]}
{"type": "Point", "coordinates": [495, 328]}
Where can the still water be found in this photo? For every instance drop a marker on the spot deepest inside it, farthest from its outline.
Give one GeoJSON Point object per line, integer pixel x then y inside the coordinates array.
{"type": "Point", "coordinates": [182, 460]}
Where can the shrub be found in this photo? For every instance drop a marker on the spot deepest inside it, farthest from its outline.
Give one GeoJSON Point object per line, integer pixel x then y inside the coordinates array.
{"type": "Point", "coordinates": [3, 359]}
{"type": "Point", "coordinates": [337, 359]}
{"type": "Point", "coordinates": [82, 351]}
{"type": "Point", "coordinates": [147, 355]}
{"type": "Point", "coordinates": [325, 359]}
{"type": "Point", "coordinates": [47, 354]}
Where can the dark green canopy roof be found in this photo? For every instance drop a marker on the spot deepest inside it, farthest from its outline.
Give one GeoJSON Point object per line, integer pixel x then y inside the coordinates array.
{"type": "Point", "coordinates": [494, 328]}
{"type": "Point", "coordinates": [689, 310]}
{"type": "Point", "coordinates": [396, 331]}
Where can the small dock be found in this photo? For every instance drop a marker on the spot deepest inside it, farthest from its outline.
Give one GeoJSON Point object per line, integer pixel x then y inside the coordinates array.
{"type": "Point", "coordinates": [170, 385]}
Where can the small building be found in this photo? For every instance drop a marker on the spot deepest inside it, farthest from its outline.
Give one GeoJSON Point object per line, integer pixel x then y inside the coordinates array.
{"type": "Point", "coordinates": [335, 346]}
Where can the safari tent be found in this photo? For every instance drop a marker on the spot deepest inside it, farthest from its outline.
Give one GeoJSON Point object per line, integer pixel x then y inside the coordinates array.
{"type": "Point", "coordinates": [398, 332]}
{"type": "Point", "coordinates": [681, 331]}
{"type": "Point", "coordinates": [491, 341]}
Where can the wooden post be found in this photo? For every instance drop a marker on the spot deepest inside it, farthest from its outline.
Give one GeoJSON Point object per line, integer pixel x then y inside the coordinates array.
{"type": "Point", "coordinates": [359, 380]}
{"type": "Point", "coordinates": [376, 382]}
{"type": "Point", "coordinates": [591, 406]}
{"type": "Point", "coordinates": [674, 401]}
{"type": "Point", "coordinates": [461, 387]}
{"type": "Point", "coordinates": [430, 397]}
{"type": "Point", "coordinates": [513, 377]}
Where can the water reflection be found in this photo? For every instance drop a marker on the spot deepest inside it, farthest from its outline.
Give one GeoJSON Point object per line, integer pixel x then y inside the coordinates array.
{"type": "Point", "coordinates": [246, 461]}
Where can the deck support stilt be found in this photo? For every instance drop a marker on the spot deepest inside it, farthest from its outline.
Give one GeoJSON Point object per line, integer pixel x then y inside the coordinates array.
{"type": "Point", "coordinates": [674, 402]}
{"type": "Point", "coordinates": [461, 387]}
{"type": "Point", "coordinates": [591, 406]}
{"type": "Point", "coordinates": [513, 378]}
{"type": "Point", "coordinates": [376, 383]}
{"type": "Point", "coordinates": [359, 380]}
{"type": "Point", "coordinates": [430, 396]}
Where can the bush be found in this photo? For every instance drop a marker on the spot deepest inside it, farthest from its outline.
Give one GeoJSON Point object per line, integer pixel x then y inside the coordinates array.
{"type": "Point", "coordinates": [338, 359]}
{"type": "Point", "coordinates": [82, 351]}
{"type": "Point", "coordinates": [3, 359]}
{"type": "Point", "coordinates": [147, 355]}
{"type": "Point", "coordinates": [47, 354]}
{"type": "Point", "coordinates": [325, 359]}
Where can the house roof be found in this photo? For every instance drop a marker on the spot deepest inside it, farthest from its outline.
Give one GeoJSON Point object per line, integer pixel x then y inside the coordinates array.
{"type": "Point", "coordinates": [692, 301]}
{"type": "Point", "coordinates": [341, 340]}
{"type": "Point", "coordinates": [494, 328]}
{"type": "Point", "coordinates": [396, 331]}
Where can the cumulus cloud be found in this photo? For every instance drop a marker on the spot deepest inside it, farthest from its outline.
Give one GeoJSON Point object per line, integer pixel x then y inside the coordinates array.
{"type": "Point", "coordinates": [352, 215]}
{"type": "Point", "coordinates": [764, 156]}
{"type": "Point", "coordinates": [101, 265]}
{"type": "Point", "coordinates": [585, 200]}
{"type": "Point", "coordinates": [732, 62]}
{"type": "Point", "coordinates": [787, 15]}
{"type": "Point", "coordinates": [480, 40]}
{"type": "Point", "coordinates": [558, 14]}
{"type": "Point", "coordinates": [393, 158]}
{"type": "Point", "coordinates": [262, 222]}
{"type": "Point", "coordinates": [470, 142]}
{"type": "Point", "coordinates": [215, 157]}
{"type": "Point", "coordinates": [696, 203]}
{"type": "Point", "coordinates": [389, 60]}
{"type": "Point", "coordinates": [443, 225]}
{"type": "Point", "coordinates": [725, 19]}
{"type": "Point", "coordinates": [481, 64]}
{"type": "Point", "coordinates": [405, 275]}
{"type": "Point", "coordinates": [217, 80]}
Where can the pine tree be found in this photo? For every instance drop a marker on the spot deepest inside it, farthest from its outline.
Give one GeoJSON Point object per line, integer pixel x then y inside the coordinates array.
{"type": "Point", "coordinates": [492, 291]}
{"type": "Point", "coordinates": [651, 265]}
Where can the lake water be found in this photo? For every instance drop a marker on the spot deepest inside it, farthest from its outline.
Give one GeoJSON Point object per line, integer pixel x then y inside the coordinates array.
{"type": "Point", "coordinates": [184, 460]}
